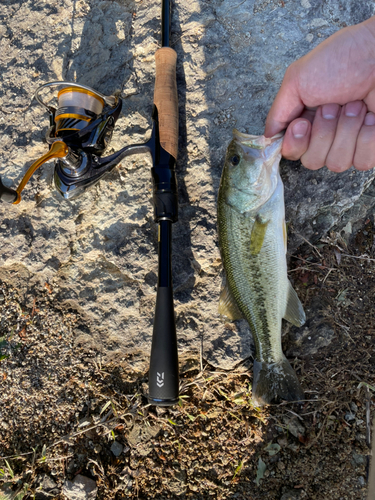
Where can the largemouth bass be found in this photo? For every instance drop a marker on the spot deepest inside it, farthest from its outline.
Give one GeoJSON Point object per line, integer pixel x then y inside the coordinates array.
{"type": "Point", "coordinates": [252, 239]}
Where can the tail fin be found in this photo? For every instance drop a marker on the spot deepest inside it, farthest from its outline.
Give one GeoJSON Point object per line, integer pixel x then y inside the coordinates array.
{"type": "Point", "coordinates": [274, 382]}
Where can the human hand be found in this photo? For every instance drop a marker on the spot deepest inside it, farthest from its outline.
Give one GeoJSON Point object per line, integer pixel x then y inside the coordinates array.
{"type": "Point", "coordinates": [327, 103]}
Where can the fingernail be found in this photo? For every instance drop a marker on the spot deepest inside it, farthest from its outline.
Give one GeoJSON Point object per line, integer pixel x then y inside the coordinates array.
{"type": "Point", "coordinates": [330, 111]}
{"type": "Point", "coordinates": [353, 109]}
{"type": "Point", "coordinates": [299, 129]}
{"type": "Point", "coordinates": [370, 119]}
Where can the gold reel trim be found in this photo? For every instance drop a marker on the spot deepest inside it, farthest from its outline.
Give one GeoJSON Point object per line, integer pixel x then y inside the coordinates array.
{"type": "Point", "coordinates": [72, 115]}
{"type": "Point", "coordinates": [58, 150]}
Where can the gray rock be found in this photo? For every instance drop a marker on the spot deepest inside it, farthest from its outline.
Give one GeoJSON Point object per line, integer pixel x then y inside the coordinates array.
{"type": "Point", "coordinates": [358, 459]}
{"type": "Point", "coordinates": [116, 448]}
{"type": "Point", "coordinates": [81, 488]}
{"type": "Point", "coordinates": [318, 201]}
{"type": "Point", "coordinates": [70, 466]}
{"type": "Point", "coordinates": [48, 484]}
{"type": "Point", "coordinates": [353, 407]}
{"type": "Point", "coordinates": [294, 426]}
{"type": "Point", "coordinates": [362, 481]}
{"type": "Point", "coordinates": [311, 338]}
{"type": "Point", "coordinates": [317, 332]}
{"type": "Point", "coordinates": [6, 492]}
{"type": "Point", "coordinates": [99, 252]}
{"type": "Point", "coordinates": [48, 489]}
{"type": "Point", "coordinates": [140, 437]}
{"type": "Point", "coordinates": [290, 494]}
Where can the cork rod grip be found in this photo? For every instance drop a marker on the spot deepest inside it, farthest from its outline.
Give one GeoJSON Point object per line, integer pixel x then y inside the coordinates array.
{"type": "Point", "coordinates": [165, 99]}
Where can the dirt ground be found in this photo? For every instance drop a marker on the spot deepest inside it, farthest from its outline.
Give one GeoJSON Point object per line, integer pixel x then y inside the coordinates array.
{"type": "Point", "coordinates": [63, 413]}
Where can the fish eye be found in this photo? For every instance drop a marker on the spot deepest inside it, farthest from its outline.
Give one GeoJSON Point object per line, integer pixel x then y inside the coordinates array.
{"type": "Point", "coordinates": [235, 160]}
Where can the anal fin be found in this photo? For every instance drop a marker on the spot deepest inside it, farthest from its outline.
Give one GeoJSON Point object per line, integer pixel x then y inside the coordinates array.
{"type": "Point", "coordinates": [294, 310]}
{"type": "Point", "coordinates": [227, 304]}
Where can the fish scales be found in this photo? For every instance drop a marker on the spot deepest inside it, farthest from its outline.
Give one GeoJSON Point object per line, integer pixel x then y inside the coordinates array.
{"type": "Point", "coordinates": [252, 241]}
{"type": "Point", "coordinates": [258, 301]}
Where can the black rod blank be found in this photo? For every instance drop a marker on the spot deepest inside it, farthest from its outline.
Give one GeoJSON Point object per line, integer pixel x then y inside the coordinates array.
{"type": "Point", "coordinates": [165, 23]}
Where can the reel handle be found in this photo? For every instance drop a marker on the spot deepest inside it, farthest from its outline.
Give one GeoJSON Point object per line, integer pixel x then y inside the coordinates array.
{"type": "Point", "coordinates": [58, 150]}
{"type": "Point", "coordinates": [165, 99]}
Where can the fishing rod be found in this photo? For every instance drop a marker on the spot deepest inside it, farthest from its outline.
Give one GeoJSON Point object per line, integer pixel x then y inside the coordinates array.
{"type": "Point", "coordinates": [80, 130]}
{"type": "Point", "coordinates": [163, 374]}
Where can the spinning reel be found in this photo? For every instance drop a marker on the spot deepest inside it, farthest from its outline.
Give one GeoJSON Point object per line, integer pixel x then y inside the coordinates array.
{"type": "Point", "coordinates": [80, 131]}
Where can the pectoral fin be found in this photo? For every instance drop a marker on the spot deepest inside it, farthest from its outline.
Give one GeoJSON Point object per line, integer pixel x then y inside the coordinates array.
{"type": "Point", "coordinates": [227, 304]}
{"type": "Point", "coordinates": [294, 310]}
{"type": "Point", "coordinates": [257, 235]}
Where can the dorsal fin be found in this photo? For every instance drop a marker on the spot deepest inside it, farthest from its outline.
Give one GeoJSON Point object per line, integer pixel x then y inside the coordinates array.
{"type": "Point", "coordinates": [227, 304]}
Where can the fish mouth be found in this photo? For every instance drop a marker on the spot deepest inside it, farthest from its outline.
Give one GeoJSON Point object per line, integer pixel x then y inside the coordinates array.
{"type": "Point", "coordinates": [266, 153]}
{"type": "Point", "coordinates": [255, 141]}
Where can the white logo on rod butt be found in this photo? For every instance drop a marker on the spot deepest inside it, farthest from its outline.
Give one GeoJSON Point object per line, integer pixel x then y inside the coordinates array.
{"type": "Point", "coordinates": [160, 379]}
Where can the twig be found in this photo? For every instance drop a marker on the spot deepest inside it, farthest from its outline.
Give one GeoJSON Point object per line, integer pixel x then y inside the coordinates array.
{"type": "Point", "coordinates": [284, 403]}
{"type": "Point", "coordinates": [201, 354]}
{"type": "Point", "coordinates": [186, 439]}
{"type": "Point", "coordinates": [16, 456]}
{"type": "Point", "coordinates": [100, 424]}
{"type": "Point", "coordinates": [313, 246]}
{"type": "Point", "coordinates": [326, 276]}
{"type": "Point", "coordinates": [346, 330]}
{"type": "Point", "coordinates": [303, 269]}
{"type": "Point", "coordinates": [357, 257]}
{"type": "Point", "coordinates": [296, 414]}
{"type": "Point", "coordinates": [320, 409]}
{"type": "Point", "coordinates": [58, 458]}
{"type": "Point", "coordinates": [311, 263]}
{"type": "Point", "coordinates": [368, 418]}
{"type": "Point", "coordinates": [322, 429]}
{"type": "Point", "coordinates": [33, 310]}
{"type": "Point", "coordinates": [371, 478]}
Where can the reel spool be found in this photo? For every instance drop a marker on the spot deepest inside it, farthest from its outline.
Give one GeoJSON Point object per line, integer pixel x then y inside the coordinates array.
{"type": "Point", "coordinates": [77, 108]}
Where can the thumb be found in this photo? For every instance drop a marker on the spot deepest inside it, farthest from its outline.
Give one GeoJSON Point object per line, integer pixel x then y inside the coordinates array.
{"type": "Point", "coordinates": [286, 107]}
{"type": "Point", "coordinates": [370, 100]}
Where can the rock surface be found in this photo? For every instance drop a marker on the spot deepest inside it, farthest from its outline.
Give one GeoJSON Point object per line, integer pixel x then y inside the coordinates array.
{"type": "Point", "coordinates": [100, 250]}
{"type": "Point", "coordinates": [81, 488]}
{"type": "Point", "coordinates": [116, 448]}
{"type": "Point", "coordinates": [6, 492]}
{"type": "Point", "coordinates": [47, 489]}
{"type": "Point", "coordinates": [317, 332]}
